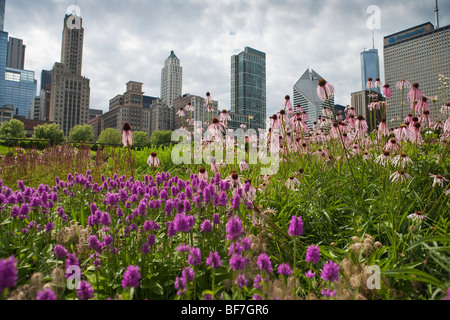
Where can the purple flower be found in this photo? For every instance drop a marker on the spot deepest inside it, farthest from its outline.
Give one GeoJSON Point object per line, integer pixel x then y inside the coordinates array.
{"type": "Point", "coordinates": [206, 226]}
{"type": "Point", "coordinates": [257, 297]}
{"type": "Point", "coordinates": [329, 293]}
{"type": "Point", "coordinates": [105, 219]}
{"type": "Point", "coordinates": [246, 243]}
{"type": "Point", "coordinates": [180, 285]}
{"type": "Point", "coordinates": [183, 248]}
{"type": "Point", "coordinates": [264, 263]}
{"type": "Point", "coordinates": [86, 292]}
{"type": "Point", "coordinates": [60, 251]}
{"type": "Point", "coordinates": [46, 294]}
{"type": "Point", "coordinates": [216, 219]}
{"type": "Point", "coordinates": [8, 273]}
{"type": "Point", "coordinates": [214, 260]}
{"type": "Point", "coordinates": [234, 228]}
{"type": "Point", "coordinates": [284, 269]}
{"type": "Point", "coordinates": [241, 281]}
{"type": "Point", "coordinates": [188, 274]}
{"type": "Point", "coordinates": [296, 226]}
{"type": "Point", "coordinates": [313, 254]}
{"type": "Point", "coordinates": [257, 282]}
{"type": "Point", "coordinates": [131, 277]}
{"type": "Point", "coordinates": [171, 231]}
{"type": "Point", "coordinates": [235, 248]}
{"type": "Point", "coordinates": [108, 240]}
{"type": "Point", "coordinates": [49, 227]}
{"type": "Point", "coordinates": [309, 274]}
{"type": "Point", "coordinates": [151, 240]}
{"type": "Point", "coordinates": [330, 271]}
{"type": "Point", "coordinates": [207, 297]}
{"type": "Point", "coordinates": [236, 202]}
{"type": "Point", "coordinates": [195, 258]}
{"type": "Point", "coordinates": [448, 295]}
{"type": "Point", "coordinates": [71, 261]}
{"type": "Point", "coordinates": [237, 262]}
{"type": "Point", "coordinates": [183, 223]}
{"type": "Point", "coordinates": [145, 249]}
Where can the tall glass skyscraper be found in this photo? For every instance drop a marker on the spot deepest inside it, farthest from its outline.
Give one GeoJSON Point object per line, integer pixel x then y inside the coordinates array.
{"type": "Point", "coordinates": [370, 66]}
{"type": "Point", "coordinates": [248, 86]}
{"type": "Point", "coordinates": [2, 14]}
{"type": "Point", "coordinates": [3, 57]}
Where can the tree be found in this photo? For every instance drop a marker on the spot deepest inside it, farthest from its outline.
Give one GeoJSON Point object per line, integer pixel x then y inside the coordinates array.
{"type": "Point", "coordinates": [110, 136]}
{"type": "Point", "coordinates": [82, 133]}
{"type": "Point", "coordinates": [50, 132]}
{"type": "Point", "coordinates": [161, 137]}
{"type": "Point", "coordinates": [13, 129]}
{"type": "Point", "coordinates": [140, 138]}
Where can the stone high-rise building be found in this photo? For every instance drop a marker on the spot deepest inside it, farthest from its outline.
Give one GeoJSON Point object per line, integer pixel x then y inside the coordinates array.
{"type": "Point", "coordinates": [199, 114]}
{"type": "Point", "coordinates": [2, 14]}
{"type": "Point", "coordinates": [171, 80]}
{"type": "Point", "coordinates": [418, 54]}
{"type": "Point", "coordinates": [70, 91]}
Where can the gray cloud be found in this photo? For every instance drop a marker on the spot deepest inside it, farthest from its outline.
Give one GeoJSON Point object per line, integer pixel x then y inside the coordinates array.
{"type": "Point", "coordinates": [129, 40]}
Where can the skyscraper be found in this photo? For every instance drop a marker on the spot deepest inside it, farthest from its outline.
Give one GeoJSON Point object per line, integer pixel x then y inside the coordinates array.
{"type": "Point", "coordinates": [2, 14]}
{"type": "Point", "coordinates": [305, 95]}
{"type": "Point", "coordinates": [16, 54]}
{"type": "Point", "coordinates": [370, 66]}
{"type": "Point", "coordinates": [248, 87]}
{"type": "Point", "coordinates": [418, 54]}
{"type": "Point", "coordinates": [46, 79]}
{"type": "Point", "coordinates": [70, 91]}
{"type": "Point", "coordinates": [171, 79]}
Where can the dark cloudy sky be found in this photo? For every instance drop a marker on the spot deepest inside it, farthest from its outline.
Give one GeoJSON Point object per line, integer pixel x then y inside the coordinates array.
{"type": "Point", "coordinates": [130, 40]}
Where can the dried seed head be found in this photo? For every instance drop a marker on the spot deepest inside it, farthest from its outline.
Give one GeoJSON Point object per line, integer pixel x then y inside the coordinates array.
{"type": "Point", "coordinates": [36, 280]}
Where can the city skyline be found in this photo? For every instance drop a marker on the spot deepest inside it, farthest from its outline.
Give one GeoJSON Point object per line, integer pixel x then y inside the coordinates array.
{"type": "Point", "coordinates": [120, 47]}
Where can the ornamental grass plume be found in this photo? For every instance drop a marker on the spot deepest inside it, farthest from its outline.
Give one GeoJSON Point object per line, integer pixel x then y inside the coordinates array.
{"type": "Point", "coordinates": [127, 135]}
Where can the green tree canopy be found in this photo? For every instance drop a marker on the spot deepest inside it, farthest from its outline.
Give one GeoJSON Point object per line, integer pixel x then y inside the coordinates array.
{"type": "Point", "coordinates": [110, 136]}
{"type": "Point", "coordinates": [13, 129]}
{"type": "Point", "coordinates": [82, 133]}
{"type": "Point", "coordinates": [161, 137]}
{"type": "Point", "coordinates": [50, 132]}
{"type": "Point", "coordinates": [140, 138]}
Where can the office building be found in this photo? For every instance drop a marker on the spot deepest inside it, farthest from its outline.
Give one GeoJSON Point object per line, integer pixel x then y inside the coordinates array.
{"type": "Point", "coordinates": [199, 114]}
{"type": "Point", "coordinates": [305, 95]}
{"type": "Point", "coordinates": [34, 108]}
{"type": "Point", "coordinates": [161, 117]}
{"type": "Point", "coordinates": [6, 113]}
{"type": "Point", "coordinates": [93, 113]}
{"type": "Point", "coordinates": [2, 15]}
{"type": "Point", "coordinates": [248, 87]}
{"type": "Point", "coordinates": [70, 91]}
{"type": "Point", "coordinates": [171, 80]}
{"type": "Point", "coordinates": [46, 79]}
{"type": "Point", "coordinates": [418, 55]}
{"type": "Point", "coordinates": [16, 54]}
{"type": "Point", "coordinates": [361, 101]}
{"type": "Point", "coordinates": [370, 66]}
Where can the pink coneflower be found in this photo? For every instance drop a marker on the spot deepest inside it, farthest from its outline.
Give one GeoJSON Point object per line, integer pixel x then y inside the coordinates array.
{"type": "Point", "coordinates": [415, 134]}
{"type": "Point", "coordinates": [208, 100]}
{"type": "Point", "coordinates": [216, 127]}
{"type": "Point", "coordinates": [422, 105]}
{"type": "Point", "coordinates": [447, 125]}
{"type": "Point", "coordinates": [325, 90]}
{"type": "Point", "coordinates": [203, 174]}
{"type": "Point", "coordinates": [402, 160]}
{"type": "Point", "coordinates": [189, 107]}
{"type": "Point", "coordinates": [383, 159]}
{"type": "Point", "coordinates": [243, 165]}
{"type": "Point", "coordinates": [351, 121]}
{"type": "Point", "coordinates": [215, 167]}
{"type": "Point", "coordinates": [409, 119]}
{"type": "Point", "coordinates": [274, 122]}
{"type": "Point", "coordinates": [438, 180]}
{"type": "Point", "coordinates": [349, 110]}
{"type": "Point", "coordinates": [402, 133]}
{"type": "Point", "coordinates": [361, 125]}
{"type": "Point", "coordinates": [181, 113]}
{"type": "Point", "coordinates": [370, 84]}
{"type": "Point", "coordinates": [383, 129]}
{"type": "Point", "coordinates": [224, 117]}
{"type": "Point", "coordinates": [417, 216]}
{"type": "Point", "coordinates": [153, 161]}
{"type": "Point", "coordinates": [387, 91]}
{"type": "Point", "coordinates": [292, 183]}
{"type": "Point", "coordinates": [299, 109]}
{"type": "Point", "coordinates": [445, 110]}
{"type": "Point", "coordinates": [426, 118]}
{"type": "Point", "coordinates": [243, 126]}
{"type": "Point", "coordinates": [378, 83]}
{"type": "Point", "coordinates": [414, 94]}
{"type": "Point", "coordinates": [400, 175]}
{"type": "Point", "coordinates": [283, 117]}
{"type": "Point", "coordinates": [392, 145]}
{"type": "Point", "coordinates": [127, 135]}
{"type": "Point", "coordinates": [326, 112]}
{"type": "Point", "coordinates": [375, 105]}
{"type": "Point", "coordinates": [403, 84]}
{"type": "Point", "coordinates": [287, 103]}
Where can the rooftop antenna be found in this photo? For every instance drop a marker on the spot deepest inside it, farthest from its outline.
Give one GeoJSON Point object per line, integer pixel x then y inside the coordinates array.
{"type": "Point", "coordinates": [373, 38]}
{"type": "Point", "coordinates": [436, 10]}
